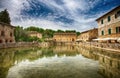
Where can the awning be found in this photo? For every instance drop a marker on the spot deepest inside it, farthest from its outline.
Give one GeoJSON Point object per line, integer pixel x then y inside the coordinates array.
{"type": "Point", "coordinates": [104, 39]}
{"type": "Point", "coordinates": [78, 39]}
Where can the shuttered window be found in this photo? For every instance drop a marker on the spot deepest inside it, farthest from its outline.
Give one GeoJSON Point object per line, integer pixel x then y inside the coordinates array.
{"type": "Point", "coordinates": [109, 18]}
{"type": "Point", "coordinates": [109, 31]}
{"type": "Point", "coordinates": [117, 29]}
{"type": "Point", "coordinates": [102, 21]}
{"type": "Point", "coordinates": [102, 32]}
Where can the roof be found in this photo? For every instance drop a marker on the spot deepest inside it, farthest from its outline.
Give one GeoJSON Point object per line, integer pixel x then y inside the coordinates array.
{"type": "Point", "coordinates": [108, 12]}
{"type": "Point", "coordinates": [64, 33]}
{"type": "Point", "coordinates": [4, 24]}
{"type": "Point", "coordinates": [89, 30]}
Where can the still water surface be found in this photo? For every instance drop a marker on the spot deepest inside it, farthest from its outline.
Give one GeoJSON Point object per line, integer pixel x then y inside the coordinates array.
{"type": "Point", "coordinates": [58, 62]}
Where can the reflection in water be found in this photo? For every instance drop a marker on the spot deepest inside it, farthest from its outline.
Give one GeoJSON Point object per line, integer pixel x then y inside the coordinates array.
{"type": "Point", "coordinates": [109, 62]}
{"type": "Point", "coordinates": [110, 65]}
{"type": "Point", "coordinates": [56, 67]}
{"type": "Point", "coordinates": [58, 62]}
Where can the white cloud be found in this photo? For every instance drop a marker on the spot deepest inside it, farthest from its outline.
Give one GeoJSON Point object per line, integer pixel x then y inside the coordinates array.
{"type": "Point", "coordinates": [69, 8]}
{"type": "Point", "coordinates": [46, 24]}
{"type": "Point", "coordinates": [73, 5]}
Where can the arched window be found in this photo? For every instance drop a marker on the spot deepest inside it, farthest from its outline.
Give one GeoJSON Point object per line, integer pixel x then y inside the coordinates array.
{"type": "Point", "coordinates": [0, 41]}
{"type": "Point", "coordinates": [11, 34]}
{"type": "Point", "coordinates": [2, 33]}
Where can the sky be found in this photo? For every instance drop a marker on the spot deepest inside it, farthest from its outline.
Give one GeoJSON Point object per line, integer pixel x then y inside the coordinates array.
{"type": "Point", "coordinates": [79, 15]}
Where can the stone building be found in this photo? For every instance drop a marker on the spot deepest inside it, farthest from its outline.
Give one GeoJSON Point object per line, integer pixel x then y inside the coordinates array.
{"type": "Point", "coordinates": [64, 37]}
{"type": "Point", "coordinates": [88, 35]}
{"type": "Point", "coordinates": [109, 26]}
{"type": "Point", "coordinates": [6, 33]}
{"type": "Point", "coordinates": [35, 34]}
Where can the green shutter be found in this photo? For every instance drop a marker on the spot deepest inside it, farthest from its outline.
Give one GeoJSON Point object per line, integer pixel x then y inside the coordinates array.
{"type": "Point", "coordinates": [116, 29]}
{"type": "Point", "coordinates": [109, 18]}
{"type": "Point", "coordinates": [109, 31]}
{"type": "Point", "coordinates": [102, 21]}
{"type": "Point", "coordinates": [102, 32]}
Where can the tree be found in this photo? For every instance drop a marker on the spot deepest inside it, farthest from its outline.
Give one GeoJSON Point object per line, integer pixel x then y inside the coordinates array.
{"type": "Point", "coordinates": [4, 17]}
{"type": "Point", "coordinates": [59, 31]}
{"type": "Point", "coordinates": [78, 33]}
{"type": "Point", "coordinates": [20, 34]}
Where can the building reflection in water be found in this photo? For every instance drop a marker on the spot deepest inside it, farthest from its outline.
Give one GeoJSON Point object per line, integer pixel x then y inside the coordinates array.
{"type": "Point", "coordinates": [109, 62]}
{"type": "Point", "coordinates": [65, 49]}
{"type": "Point", "coordinates": [88, 53]}
{"type": "Point", "coordinates": [10, 57]}
{"type": "Point", "coordinates": [6, 61]}
{"type": "Point", "coordinates": [109, 65]}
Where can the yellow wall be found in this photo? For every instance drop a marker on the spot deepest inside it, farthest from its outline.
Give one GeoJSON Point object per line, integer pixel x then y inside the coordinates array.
{"type": "Point", "coordinates": [64, 37]}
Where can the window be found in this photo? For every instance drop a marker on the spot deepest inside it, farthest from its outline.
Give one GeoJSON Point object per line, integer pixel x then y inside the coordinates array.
{"type": "Point", "coordinates": [102, 21]}
{"type": "Point", "coordinates": [109, 31]}
{"type": "Point", "coordinates": [117, 14]}
{"type": "Point", "coordinates": [0, 41]}
{"type": "Point", "coordinates": [2, 33]}
{"type": "Point", "coordinates": [103, 59]}
{"type": "Point", "coordinates": [10, 40]}
{"type": "Point", "coordinates": [117, 29]}
{"type": "Point", "coordinates": [6, 41]}
{"type": "Point", "coordinates": [102, 32]}
{"type": "Point", "coordinates": [109, 18]}
{"type": "Point", "coordinates": [11, 35]}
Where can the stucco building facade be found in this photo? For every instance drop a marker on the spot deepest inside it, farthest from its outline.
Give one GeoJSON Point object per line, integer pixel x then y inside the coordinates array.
{"type": "Point", "coordinates": [64, 37]}
{"type": "Point", "coordinates": [109, 26]}
{"type": "Point", "coordinates": [34, 34]}
{"type": "Point", "coordinates": [88, 35]}
{"type": "Point", "coordinates": [6, 33]}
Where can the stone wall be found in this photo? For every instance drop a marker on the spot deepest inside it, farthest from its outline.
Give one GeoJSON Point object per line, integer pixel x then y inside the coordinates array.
{"type": "Point", "coordinates": [106, 25]}
{"type": "Point", "coordinates": [6, 33]}
{"type": "Point", "coordinates": [88, 35]}
{"type": "Point", "coordinates": [24, 44]}
{"type": "Point", "coordinates": [64, 37]}
{"type": "Point", "coordinates": [115, 46]}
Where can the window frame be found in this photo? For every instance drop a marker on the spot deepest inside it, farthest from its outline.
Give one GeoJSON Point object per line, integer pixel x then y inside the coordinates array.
{"type": "Point", "coordinates": [109, 18]}
{"type": "Point", "coordinates": [117, 29]}
{"type": "Point", "coordinates": [102, 22]}
{"type": "Point", "coordinates": [109, 31]}
{"type": "Point", "coordinates": [102, 32]}
{"type": "Point", "coordinates": [2, 33]}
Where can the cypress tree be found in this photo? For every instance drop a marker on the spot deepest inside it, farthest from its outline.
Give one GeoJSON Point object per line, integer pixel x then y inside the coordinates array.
{"type": "Point", "coordinates": [4, 17]}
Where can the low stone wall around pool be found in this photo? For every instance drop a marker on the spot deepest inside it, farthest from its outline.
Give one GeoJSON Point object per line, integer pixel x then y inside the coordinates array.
{"type": "Point", "coordinates": [115, 46]}
{"type": "Point", "coordinates": [24, 44]}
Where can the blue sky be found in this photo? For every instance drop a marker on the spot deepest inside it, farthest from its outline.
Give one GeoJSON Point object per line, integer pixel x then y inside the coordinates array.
{"type": "Point", "coordinates": [76, 15]}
